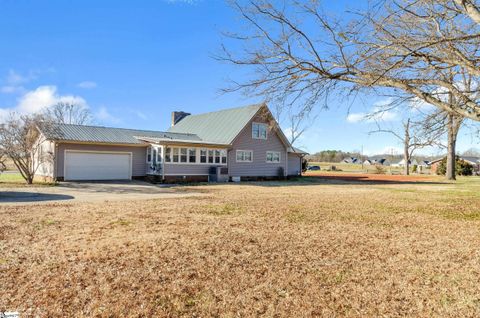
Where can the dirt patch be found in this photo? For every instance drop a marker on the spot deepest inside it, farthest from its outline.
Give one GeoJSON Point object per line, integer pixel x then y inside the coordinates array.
{"type": "Point", "coordinates": [370, 177]}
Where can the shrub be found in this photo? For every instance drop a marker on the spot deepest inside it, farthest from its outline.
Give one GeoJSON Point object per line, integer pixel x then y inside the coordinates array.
{"type": "Point", "coordinates": [304, 165]}
{"type": "Point", "coordinates": [379, 169]}
{"type": "Point", "coordinates": [462, 168]}
{"type": "Point", "coordinates": [414, 168]}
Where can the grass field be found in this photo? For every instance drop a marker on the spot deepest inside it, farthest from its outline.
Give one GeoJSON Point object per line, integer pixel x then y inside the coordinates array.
{"type": "Point", "coordinates": [14, 179]}
{"type": "Point", "coordinates": [287, 249]}
{"type": "Point", "coordinates": [349, 167]}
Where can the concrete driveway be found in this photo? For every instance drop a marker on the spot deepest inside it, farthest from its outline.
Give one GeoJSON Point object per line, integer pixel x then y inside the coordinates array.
{"type": "Point", "coordinates": [91, 192]}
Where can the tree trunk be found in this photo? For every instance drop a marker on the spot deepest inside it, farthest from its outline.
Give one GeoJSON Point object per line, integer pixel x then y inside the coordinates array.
{"type": "Point", "coordinates": [453, 127]}
{"type": "Point", "coordinates": [406, 153]}
{"type": "Point", "coordinates": [29, 180]}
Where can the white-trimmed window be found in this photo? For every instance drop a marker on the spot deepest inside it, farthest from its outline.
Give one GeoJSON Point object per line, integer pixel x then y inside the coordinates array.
{"type": "Point", "coordinates": [223, 155]}
{"type": "Point", "coordinates": [259, 131]}
{"type": "Point", "coordinates": [159, 154]}
{"type": "Point", "coordinates": [203, 155]}
{"type": "Point", "coordinates": [168, 154]}
{"type": "Point", "coordinates": [192, 155]}
{"type": "Point", "coordinates": [273, 156]}
{"type": "Point", "coordinates": [149, 154]}
{"type": "Point", "coordinates": [210, 156]}
{"type": "Point", "coordinates": [183, 155]}
{"type": "Point", "coordinates": [244, 156]}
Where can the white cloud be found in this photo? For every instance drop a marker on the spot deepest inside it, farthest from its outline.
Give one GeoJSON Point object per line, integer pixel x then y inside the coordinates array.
{"type": "Point", "coordinates": [87, 84]}
{"type": "Point", "coordinates": [43, 97]}
{"type": "Point", "coordinates": [380, 112]}
{"type": "Point", "coordinates": [104, 115]}
{"type": "Point", "coordinates": [14, 81]}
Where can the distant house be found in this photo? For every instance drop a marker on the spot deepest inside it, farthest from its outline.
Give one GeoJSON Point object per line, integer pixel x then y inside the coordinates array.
{"type": "Point", "coordinates": [351, 160]}
{"type": "Point", "coordinates": [367, 162]}
{"type": "Point", "coordinates": [381, 162]}
{"type": "Point", "coordinates": [401, 163]}
{"type": "Point", "coordinates": [244, 142]}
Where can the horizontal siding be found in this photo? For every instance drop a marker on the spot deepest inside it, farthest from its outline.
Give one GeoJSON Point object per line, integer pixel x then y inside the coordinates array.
{"type": "Point", "coordinates": [186, 169]}
{"type": "Point", "coordinates": [139, 165]}
{"type": "Point", "coordinates": [259, 167]}
{"type": "Point", "coordinates": [294, 164]}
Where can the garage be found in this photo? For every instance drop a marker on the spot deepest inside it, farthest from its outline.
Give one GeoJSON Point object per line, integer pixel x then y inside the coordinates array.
{"type": "Point", "coordinates": [96, 165]}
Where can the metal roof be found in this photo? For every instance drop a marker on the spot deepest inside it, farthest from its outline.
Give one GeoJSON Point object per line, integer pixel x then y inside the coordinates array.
{"type": "Point", "coordinates": [68, 132]}
{"type": "Point", "coordinates": [218, 127]}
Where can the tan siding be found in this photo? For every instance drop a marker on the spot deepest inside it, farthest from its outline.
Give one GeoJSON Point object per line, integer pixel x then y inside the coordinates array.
{"type": "Point", "coordinates": [294, 164]}
{"type": "Point", "coordinates": [259, 166]}
{"type": "Point", "coordinates": [139, 165]}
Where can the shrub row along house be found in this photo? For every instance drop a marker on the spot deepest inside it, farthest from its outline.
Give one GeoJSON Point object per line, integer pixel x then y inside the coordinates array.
{"type": "Point", "coordinates": [237, 143]}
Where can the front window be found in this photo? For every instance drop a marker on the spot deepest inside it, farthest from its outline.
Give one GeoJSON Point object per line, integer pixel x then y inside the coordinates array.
{"type": "Point", "coordinates": [183, 154]}
{"type": "Point", "coordinates": [168, 154]}
{"type": "Point", "coordinates": [273, 156]}
{"type": "Point", "coordinates": [192, 155]}
{"type": "Point", "coordinates": [244, 156]}
{"type": "Point", "coordinates": [159, 154]}
{"type": "Point", "coordinates": [175, 154]}
{"type": "Point", "coordinates": [259, 131]}
{"type": "Point", "coordinates": [223, 154]}
{"type": "Point", "coordinates": [210, 156]}
{"type": "Point", "coordinates": [149, 154]}
{"type": "Point", "coordinates": [203, 156]}
{"type": "Point", "coordinates": [217, 156]}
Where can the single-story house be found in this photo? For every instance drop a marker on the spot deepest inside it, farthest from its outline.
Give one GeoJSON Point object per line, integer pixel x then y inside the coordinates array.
{"type": "Point", "coordinates": [401, 163]}
{"type": "Point", "coordinates": [474, 161]}
{"type": "Point", "coordinates": [237, 143]}
{"type": "Point", "coordinates": [352, 160]}
{"type": "Point", "coordinates": [381, 162]}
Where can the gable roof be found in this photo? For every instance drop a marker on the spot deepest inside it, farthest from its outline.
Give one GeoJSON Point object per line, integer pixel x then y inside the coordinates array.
{"type": "Point", "coordinates": [217, 127]}
{"type": "Point", "coordinates": [68, 132]}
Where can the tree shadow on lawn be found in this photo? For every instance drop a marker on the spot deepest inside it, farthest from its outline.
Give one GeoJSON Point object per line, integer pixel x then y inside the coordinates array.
{"type": "Point", "coordinates": [23, 196]}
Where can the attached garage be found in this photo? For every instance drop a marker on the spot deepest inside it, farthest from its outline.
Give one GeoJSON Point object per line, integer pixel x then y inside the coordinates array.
{"type": "Point", "coordinates": [97, 165]}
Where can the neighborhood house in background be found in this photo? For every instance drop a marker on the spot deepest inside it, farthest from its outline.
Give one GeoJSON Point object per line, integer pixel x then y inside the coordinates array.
{"type": "Point", "coordinates": [238, 143]}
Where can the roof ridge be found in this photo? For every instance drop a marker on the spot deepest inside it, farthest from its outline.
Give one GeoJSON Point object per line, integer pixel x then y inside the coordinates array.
{"type": "Point", "coordinates": [130, 129]}
{"type": "Point", "coordinates": [228, 109]}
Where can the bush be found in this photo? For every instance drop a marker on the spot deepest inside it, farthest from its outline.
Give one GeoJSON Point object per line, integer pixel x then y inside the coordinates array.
{"type": "Point", "coordinates": [462, 168]}
{"type": "Point", "coordinates": [379, 169]}
{"type": "Point", "coordinates": [414, 168]}
{"type": "Point", "coordinates": [304, 164]}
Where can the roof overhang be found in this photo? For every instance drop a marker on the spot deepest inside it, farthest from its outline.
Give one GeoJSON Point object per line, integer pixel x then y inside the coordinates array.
{"type": "Point", "coordinates": [168, 141]}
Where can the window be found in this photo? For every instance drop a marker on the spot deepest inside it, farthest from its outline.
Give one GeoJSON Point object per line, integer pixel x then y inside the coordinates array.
{"type": "Point", "coordinates": [217, 156]}
{"type": "Point", "coordinates": [154, 156]}
{"type": "Point", "coordinates": [223, 154]}
{"type": "Point", "coordinates": [149, 154]}
{"type": "Point", "coordinates": [168, 154]}
{"type": "Point", "coordinates": [210, 156]}
{"type": "Point", "coordinates": [244, 156]}
{"type": "Point", "coordinates": [175, 154]}
{"type": "Point", "coordinates": [159, 154]}
{"type": "Point", "coordinates": [183, 154]}
{"type": "Point", "coordinates": [192, 155]}
{"type": "Point", "coordinates": [273, 156]}
{"type": "Point", "coordinates": [259, 131]}
{"type": "Point", "coordinates": [203, 155]}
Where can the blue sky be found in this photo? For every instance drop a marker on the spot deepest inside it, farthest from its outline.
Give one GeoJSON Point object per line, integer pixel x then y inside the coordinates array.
{"type": "Point", "coordinates": [133, 65]}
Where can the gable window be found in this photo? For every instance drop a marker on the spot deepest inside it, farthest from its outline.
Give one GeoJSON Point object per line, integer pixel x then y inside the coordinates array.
{"type": "Point", "coordinates": [273, 156]}
{"type": "Point", "coordinates": [259, 131]}
{"type": "Point", "coordinates": [192, 155]}
{"type": "Point", "coordinates": [203, 155]}
{"type": "Point", "coordinates": [244, 156]}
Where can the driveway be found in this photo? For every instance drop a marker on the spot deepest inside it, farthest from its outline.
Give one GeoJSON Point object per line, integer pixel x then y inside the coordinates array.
{"type": "Point", "coordinates": [91, 192]}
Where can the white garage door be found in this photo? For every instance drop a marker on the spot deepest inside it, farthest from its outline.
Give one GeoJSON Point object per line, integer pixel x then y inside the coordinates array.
{"type": "Point", "coordinates": [83, 165]}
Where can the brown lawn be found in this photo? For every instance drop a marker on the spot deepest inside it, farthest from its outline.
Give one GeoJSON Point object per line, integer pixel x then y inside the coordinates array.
{"type": "Point", "coordinates": [295, 249]}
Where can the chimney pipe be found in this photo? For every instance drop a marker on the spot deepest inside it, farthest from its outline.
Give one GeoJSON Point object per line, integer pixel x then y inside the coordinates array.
{"type": "Point", "coordinates": [177, 116]}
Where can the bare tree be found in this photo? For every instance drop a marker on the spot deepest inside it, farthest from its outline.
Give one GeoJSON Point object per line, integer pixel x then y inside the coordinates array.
{"type": "Point", "coordinates": [299, 122]}
{"type": "Point", "coordinates": [21, 141]}
{"type": "Point", "coordinates": [69, 113]}
{"type": "Point", "coordinates": [413, 138]}
{"type": "Point", "coordinates": [298, 53]}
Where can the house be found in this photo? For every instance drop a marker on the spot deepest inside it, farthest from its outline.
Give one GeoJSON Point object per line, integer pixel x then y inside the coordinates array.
{"type": "Point", "coordinates": [351, 160]}
{"type": "Point", "coordinates": [401, 163]}
{"type": "Point", "coordinates": [381, 162]}
{"type": "Point", "coordinates": [244, 142]}
{"type": "Point", "coordinates": [367, 162]}
{"type": "Point", "coordinates": [474, 161]}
